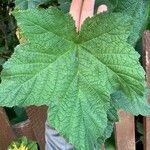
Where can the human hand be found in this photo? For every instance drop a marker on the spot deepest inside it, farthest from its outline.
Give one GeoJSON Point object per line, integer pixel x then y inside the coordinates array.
{"type": "Point", "coordinates": [81, 9]}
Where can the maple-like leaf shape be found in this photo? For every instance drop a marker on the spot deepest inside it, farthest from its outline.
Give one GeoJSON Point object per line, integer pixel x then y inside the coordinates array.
{"type": "Point", "coordinates": [74, 74]}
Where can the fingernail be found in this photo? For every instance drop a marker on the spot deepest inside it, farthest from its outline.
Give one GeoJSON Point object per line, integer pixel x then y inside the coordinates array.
{"type": "Point", "coordinates": [102, 8]}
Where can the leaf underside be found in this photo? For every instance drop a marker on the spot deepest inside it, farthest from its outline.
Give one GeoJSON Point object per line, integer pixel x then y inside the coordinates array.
{"type": "Point", "coordinates": [74, 74]}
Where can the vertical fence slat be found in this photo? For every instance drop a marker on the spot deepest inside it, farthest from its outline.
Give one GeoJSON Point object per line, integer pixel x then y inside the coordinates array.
{"type": "Point", "coordinates": [103, 147]}
{"type": "Point", "coordinates": [6, 132]}
{"type": "Point", "coordinates": [146, 61]}
{"type": "Point", "coordinates": [125, 132]}
{"type": "Point", "coordinates": [24, 129]}
{"type": "Point", "coordinates": [146, 133]}
{"type": "Point", "coordinates": [38, 116]}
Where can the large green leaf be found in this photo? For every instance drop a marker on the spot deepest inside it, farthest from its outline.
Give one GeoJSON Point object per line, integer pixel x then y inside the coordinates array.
{"type": "Point", "coordinates": [74, 74]}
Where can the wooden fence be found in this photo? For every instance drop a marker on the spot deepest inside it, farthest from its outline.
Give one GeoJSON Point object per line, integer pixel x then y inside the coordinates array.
{"type": "Point", "coordinates": [125, 128]}
{"type": "Point", "coordinates": [34, 127]}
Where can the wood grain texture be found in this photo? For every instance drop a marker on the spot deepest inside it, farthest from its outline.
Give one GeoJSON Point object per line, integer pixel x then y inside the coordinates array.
{"type": "Point", "coordinates": [125, 132]}
{"type": "Point", "coordinates": [103, 147]}
{"type": "Point", "coordinates": [6, 132]}
{"type": "Point", "coordinates": [24, 129]}
{"type": "Point", "coordinates": [33, 128]}
{"type": "Point", "coordinates": [146, 62]}
{"type": "Point", "coordinates": [38, 116]}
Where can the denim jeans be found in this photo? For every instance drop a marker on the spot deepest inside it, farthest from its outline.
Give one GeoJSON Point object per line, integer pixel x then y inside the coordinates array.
{"type": "Point", "coordinates": [54, 141]}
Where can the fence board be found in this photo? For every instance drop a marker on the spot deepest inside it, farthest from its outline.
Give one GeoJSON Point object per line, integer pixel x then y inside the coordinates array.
{"type": "Point", "coordinates": [146, 61]}
{"type": "Point", "coordinates": [6, 132]}
{"type": "Point", "coordinates": [24, 129]}
{"type": "Point", "coordinates": [125, 132]}
{"type": "Point", "coordinates": [33, 128]}
{"type": "Point", "coordinates": [38, 116]}
{"type": "Point", "coordinates": [103, 147]}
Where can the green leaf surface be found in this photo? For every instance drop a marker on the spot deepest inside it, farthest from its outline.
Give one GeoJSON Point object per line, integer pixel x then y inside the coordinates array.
{"type": "Point", "coordinates": [74, 74]}
{"type": "Point", "coordinates": [112, 117]}
{"type": "Point", "coordinates": [139, 10]}
{"type": "Point", "coordinates": [138, 106]}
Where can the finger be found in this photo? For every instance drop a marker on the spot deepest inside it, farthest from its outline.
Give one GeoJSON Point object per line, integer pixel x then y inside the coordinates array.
{"type": "Point", "coordinates": [102, 8]}
{"type": "Point", "coordinates": [87, 10]}
{"type": "Point", "coordinates": [75, 11]}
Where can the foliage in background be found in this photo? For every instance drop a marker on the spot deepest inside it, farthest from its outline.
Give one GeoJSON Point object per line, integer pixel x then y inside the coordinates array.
{"type": "Point", "coordinates": [110, 143]}
{"type": "Point", "coordinates": [64, 5]}
{"type": "Point", "coordinates": [8, 39]}
{"type": "Point", "coordinates": [30, 4]}
{"type": "Point", "coordinates": [16, 114]}
{"type": "Point", "coordinates": [23, 144]}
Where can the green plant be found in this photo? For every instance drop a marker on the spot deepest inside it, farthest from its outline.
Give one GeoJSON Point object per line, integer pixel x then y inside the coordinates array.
{"type": "Point", "coordinates": [23, 144]}
{"type": "Point", "coordinates": [30, 4]}
{"type": "Point", "coordinates": [83, 77]}
{"type": "Point", "coordinates": [8, 39]}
